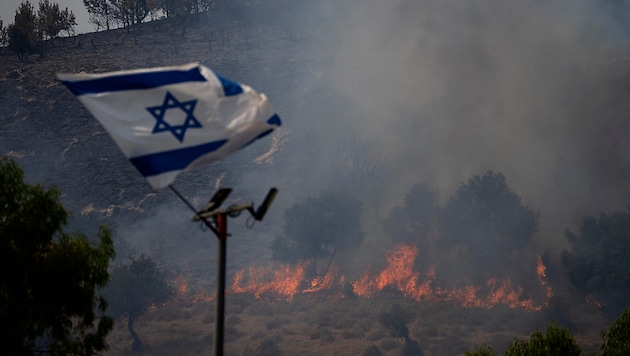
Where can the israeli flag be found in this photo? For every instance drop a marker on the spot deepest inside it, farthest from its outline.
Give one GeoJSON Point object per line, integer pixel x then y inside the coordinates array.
{"type": "Point", "coordinates": [172, 119]}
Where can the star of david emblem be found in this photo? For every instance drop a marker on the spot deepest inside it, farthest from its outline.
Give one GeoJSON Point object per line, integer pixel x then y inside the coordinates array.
{"type": "Point", "coordinates": [178, 130]}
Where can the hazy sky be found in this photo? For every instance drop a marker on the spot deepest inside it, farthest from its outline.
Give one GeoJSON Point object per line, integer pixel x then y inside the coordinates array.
{"type": "Point", "coordinates": [8, 7]}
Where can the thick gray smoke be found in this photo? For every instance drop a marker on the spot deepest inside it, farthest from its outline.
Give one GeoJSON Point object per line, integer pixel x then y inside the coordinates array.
{"type": "Point", "coordinates": [395, 93]}
{"type": "Point", "coordinates": [447, 89]}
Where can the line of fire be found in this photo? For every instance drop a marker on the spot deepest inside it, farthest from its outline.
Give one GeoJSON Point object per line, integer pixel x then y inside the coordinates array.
{"type": "Point", "coordinates": [276, 282]}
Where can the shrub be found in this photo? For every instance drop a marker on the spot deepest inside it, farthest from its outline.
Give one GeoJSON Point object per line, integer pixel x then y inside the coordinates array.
{"type": "Point", "coordinates": [373, 350]}
{"type": "Point", "coordinates": [617, 338]}
{"type": "Point", "coordinates": [555, 341]}
{"type": "Point", "coordinates": [483, 350]}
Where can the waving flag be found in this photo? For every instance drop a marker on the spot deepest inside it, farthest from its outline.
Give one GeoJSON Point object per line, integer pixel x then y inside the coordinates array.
{"type": "Point", "coordinates": [172, 119]}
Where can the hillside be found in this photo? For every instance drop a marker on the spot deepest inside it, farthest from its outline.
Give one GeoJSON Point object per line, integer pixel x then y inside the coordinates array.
{"type": "Point", "coordinates": [532, 123]}
{"type": "Point", "coordinates": [56, 141]}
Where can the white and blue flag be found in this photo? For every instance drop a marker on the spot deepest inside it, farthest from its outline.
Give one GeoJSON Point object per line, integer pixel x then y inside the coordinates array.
{"type": "Point", "coordinates": [172, 119]}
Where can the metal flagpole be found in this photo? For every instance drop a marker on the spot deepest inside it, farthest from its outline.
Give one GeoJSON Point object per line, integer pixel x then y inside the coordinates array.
{"type": "Point", "coordinates": [211, 210]}
{"type": "Point", "coordinates": [220, 303]}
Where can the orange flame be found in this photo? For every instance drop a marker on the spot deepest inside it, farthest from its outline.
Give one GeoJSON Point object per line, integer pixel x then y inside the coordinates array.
{"type": "Point", "coordinates": [541, 271]}
{"type": "Point", "coordinates": [180, 285]}
{"type": "Point", "coordinates": [399, 274]}
{"type": "Point", "coordinates": [183, 293]}
{"type": "Point", "coordinates": [285, 281]}
{"type": "Point", "coordinates": [319, 284]}
{"type": "Point", "coordinates": [282, 282]}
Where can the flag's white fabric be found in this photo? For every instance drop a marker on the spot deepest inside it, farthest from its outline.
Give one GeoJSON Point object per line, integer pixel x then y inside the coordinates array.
{"type": "Point", "coordinates": [170, 119]}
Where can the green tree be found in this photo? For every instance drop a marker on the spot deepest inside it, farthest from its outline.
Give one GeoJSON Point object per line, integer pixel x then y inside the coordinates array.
{"type": "Point", "coordinates": [51, 20]}
{"type": "Point", "coordinates": [319, 227]}
{"type": "Point", "coordinates": [617, 338]}
{"type": "Point", "coordinates": [483, 350]}
{"type": "Point", "coordinates": [48, 278]}
{"type": "Point", "coordinates": [555, 341]}
{"type": "Point", "coordinates": [133, 289]}
{"type": "Point", "coordinates": [22, 33]}
{"type": "Point", "coordinates": [597, 262]}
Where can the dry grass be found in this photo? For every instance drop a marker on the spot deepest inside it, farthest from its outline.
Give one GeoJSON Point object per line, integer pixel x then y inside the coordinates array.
{"type": "Point", "coordinates": [311, 326]}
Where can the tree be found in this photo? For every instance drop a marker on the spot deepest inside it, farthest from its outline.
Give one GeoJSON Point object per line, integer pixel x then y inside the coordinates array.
{"type": "Point", "coordinates": [555, 341]}
{"type": "Point", "coordinates": [22, 33]}
{"type": "Point", "coordinates": [487, 219]}
{"type": "Point", "coordinates": [3, 35]}
{"type": "Point", "coordinates": [132, 12]}
{"type": "Point", "coordinates": [617, 338]}
{"type": "Point", "coordinates": [48, 278]}
{"type": "Point", "coordinates": [51, 20]}
{"type": "Point", "coordinates": [597, 263]}
{"type": "Point", "coordinates": [176, 8]}
{"type": "Point", "coordinates": [372, 350]}
{"type": "Point", "coordinates": [483, 350]}
{"type": "Point", "coordinates": [266, 348]}
{"type": "Point", "coordinates": [411, 223]}
{"type": "Point", "coordinates": [133, 289]}
{"type": "Point", "coordinates": [319, 227]}
{"type": "Point", "coordinates": [101, 15]}
{"type": "Point", "coordinates": [396, 321]}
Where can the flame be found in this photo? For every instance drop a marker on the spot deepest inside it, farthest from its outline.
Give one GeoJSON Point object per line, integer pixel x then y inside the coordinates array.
{"type": "Point", "coordinates": [541, 271]}
{"type": "Point", "coordinates": [400, 275]}
{"type": "Point", "coordinates": [286, 281]}
{"type": "Point", "coordinates": [202, 296]}
{"type": "Point", "coordinates": [180, 285]}
{"type": "Point", "coordinates": [183, 293]}
{"type": "Point", "coordinates": [282, 282]}
{"type": "Point", "coordinates": [319, 284]}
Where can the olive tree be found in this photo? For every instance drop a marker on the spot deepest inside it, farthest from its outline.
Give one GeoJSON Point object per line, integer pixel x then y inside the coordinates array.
{"type": "Point", "coordinates": [412, 222]}
{"type": "Point", "coordinates": [133, 289]}
{"type": "Point", "coordinates": [490, 225]}
{"type": "Point", "coordinates": [319, 227]}
{"type": "Point", "coordinates": [597, 261]}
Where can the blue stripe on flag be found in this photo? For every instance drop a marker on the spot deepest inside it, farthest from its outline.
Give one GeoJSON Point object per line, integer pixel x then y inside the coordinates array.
{"type": "Point", "coordinates": [274, 120]}
{"type": "Point", "coordinates": [229, 87]}
{"type": "Point", "coordinates": [176, 160]}
{"type": "Point", "coordinates": [137, 81]}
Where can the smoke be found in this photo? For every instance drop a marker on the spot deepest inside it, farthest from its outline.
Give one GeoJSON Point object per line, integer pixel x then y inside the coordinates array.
{"type": "Point", "coordinates": [425, 91]}
{"type": "Point", "coordinates": [447, 89]}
